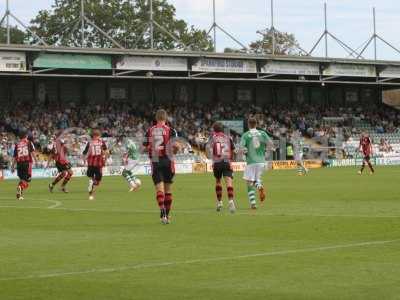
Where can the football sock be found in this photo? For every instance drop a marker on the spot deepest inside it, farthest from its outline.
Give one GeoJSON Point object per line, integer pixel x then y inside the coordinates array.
{"type": "Point", "coordinates": [93, 188]}
{"type": "Point", "coordinates": [90, 187]}
{"type": "Point", "coordinates": [258, 185]}
{"type": "Point", "coordinates": [66, 179]}
{"type": "Point", "coordinates": [251, 191]}
{"type": "Point", "coordinates": [218, 191]}
{"type": "Point", "coordinates": [300, 168]}
{"type": "Point", "coordinates": [95, 184]}
{"type": "Point", "coordinates": [23, 185]}
{"type": "Point", "coordinates": [161, 201]}
{"type": "Point", "coordinates": [129, 177]}
{"type": "Point", "coordinates": [362, 167]}
{"type": "Point", "coordinates": [371, 167]}
{"type": "Point", "coordinates": [58, 178]}
{"type": "Point", "coordinates": [132, 180]}
{"type": "Point", "coordinates": [168, 202]}
{"type": "Point", "coordinates": [231, 195]}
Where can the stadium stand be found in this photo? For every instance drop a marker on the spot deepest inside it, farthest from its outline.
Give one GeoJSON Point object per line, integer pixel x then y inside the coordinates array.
{"type": "Point", "coordinates": [193, 123]}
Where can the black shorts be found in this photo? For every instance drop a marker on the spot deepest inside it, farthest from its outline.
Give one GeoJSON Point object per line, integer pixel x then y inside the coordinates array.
{"type": "Point", "coordinates": [95, 172]}
{"type": "Point", "coordinates": [63, 167]}
{"type": "Point", "coordinates": [163, 171]}
{"type": "Point", "coordinates": [222, 169]}
{"type": "Point", "coordinates": [24, 171]}
{"type": "Point", "coordinates": [367, 157]}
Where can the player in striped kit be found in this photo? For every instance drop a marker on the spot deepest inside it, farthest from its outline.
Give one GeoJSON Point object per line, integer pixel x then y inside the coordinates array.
{"type": "Point", "coordinates": [220, 147]}
{"type": "Point", "coordinates": [59, 153]}
{"type": "Point", "coordinates": [298, 145]}
{"type": "Point", "coordinates": [366, 149]}
{"type": "Point", "coordinates": [161, 147]}
{"type": "Point", "coordinates": [23, 159]}
{"type": "Point", "coordinates": [131, 158]}
{"type": "Point", "coordinates": [96, 151]}
{"type": "Point", "coordinates": [254, 144]}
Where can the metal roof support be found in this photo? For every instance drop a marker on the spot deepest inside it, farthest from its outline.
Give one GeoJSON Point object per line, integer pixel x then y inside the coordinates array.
{"type": "Point", "coordinates": [272, 80]}
{"type": "Point", "coordinates": [8, 22]}
{"type": "Point", "coordinates": [7, 16]}
{"type": "Point", "coordinates": [199, 74]}
{"type": "Point", "coordinates": [216, 26]}
{"type": "Point", "coordinates": [274, 31]}
{"type": "Point", "coordinates": [150, 26]}
{"type": "Point", "coordinates": [104, 33]}
{"type": "Point", "coordinates": [126, 72]}
{"type": "Point", "coordinates": [326, 34]}
{"type": "Point", "coordinates": [387, 79]}
{"type": "Point", "coordinates": [145, 28]}
{"type": "Point", "coordinates": [375, 46]}
{"type": "Point", "coordinates": [273, 28]}
{"type": "Point", "coordinates": [267, 76]}
{"type": "Point", "coordinates": [375, 37]}
{"type": "Point", "coordinates": [62, 30]}
{"type": "Point", "coordinates": [163, 29]}
{"type": "Point", "coordinates": [2, 19]}
{"type": "Point", "coordinates": [82, 20]}
{"type": "Point", "coordinates": [43, 71]}
{"type": "Point", "coordinates": [344, 45]}
{"type": "Point", "coordinates": [329, 78]}
{"type": "Point", "coordinates": [326, 30]}
{"type": "Point", "coordinates": [28, 29]}
{"type": "Point", "coordinates": [387, 43]}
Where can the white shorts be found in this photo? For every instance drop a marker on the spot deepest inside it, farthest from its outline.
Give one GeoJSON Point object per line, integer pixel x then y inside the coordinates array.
{"type": "Point", "coordinates": [254, 172]}
{"type": "Point", "coordinates": [298, 156]}
{"type": "Point", "coordinates": [131, 164]}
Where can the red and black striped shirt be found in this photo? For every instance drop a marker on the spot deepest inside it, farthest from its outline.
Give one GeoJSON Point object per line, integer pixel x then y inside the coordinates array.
{"type": "Point", "coordinates": [366, 145]}
{"type": "Point", "coordinates": [159, 141]}
{"type": "Point", "coordinates": [221, 146]}
{"type": "Point", "coordinates": [95, 151]}
{"type": "Point", "coordinates": [23, 151]}
{"type": "Point", "coordinates": [60, 151]}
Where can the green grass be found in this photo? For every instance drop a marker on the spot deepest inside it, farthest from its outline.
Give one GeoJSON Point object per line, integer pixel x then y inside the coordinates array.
{"type": "Point", "coordinates": [313, 239]}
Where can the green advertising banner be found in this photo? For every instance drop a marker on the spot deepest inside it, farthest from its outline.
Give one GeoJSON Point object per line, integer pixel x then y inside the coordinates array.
{"type": "Point", "coordinates": [73, 61]}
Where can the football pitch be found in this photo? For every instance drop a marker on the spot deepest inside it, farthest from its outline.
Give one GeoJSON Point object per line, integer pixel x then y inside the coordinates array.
{"type": "Point", "coordinates": [329, 235]}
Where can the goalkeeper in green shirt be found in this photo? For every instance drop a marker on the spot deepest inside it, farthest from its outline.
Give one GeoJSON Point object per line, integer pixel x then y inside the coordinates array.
{"type": "Point", "coordinates": [254, 144]}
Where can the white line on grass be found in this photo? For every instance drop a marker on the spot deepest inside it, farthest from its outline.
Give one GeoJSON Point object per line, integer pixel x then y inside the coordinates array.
{"type": "Point", "coordinates": [56, 204]}
{"type": "Point", "coordinates": [196, 212]}
{"type": "Point", "coordinates": [199, 261]}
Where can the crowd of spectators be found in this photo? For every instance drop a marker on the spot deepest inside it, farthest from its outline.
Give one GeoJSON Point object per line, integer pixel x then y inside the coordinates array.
{"type": "Point", "coordinates": [192, 121]}
{"type": "Point", "coordinates": [385, 146]}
